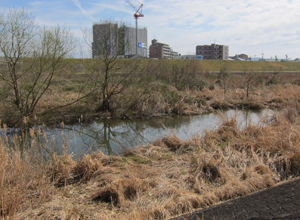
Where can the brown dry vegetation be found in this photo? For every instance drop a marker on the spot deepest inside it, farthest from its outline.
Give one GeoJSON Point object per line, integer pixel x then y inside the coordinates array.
{"type": "Point", "coordinates": [159, 87]}
{"type": "Point", "coordinates": [171, 176]}
{"type": "Point", "coordinates": [157, 181]}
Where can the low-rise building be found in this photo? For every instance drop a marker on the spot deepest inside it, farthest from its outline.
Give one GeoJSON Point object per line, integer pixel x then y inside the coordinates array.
{"type": "Point", "coordinates": [213, 52]}
{"type": "Point", "coordinates": [160, 50]}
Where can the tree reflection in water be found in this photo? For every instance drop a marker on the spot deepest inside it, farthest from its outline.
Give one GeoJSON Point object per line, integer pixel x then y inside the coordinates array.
{"type": "Point", "coordinates": [112, 137]}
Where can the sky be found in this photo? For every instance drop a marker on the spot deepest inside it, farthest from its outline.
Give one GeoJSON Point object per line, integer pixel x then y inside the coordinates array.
{"type": "Point", "coordinates": [258, 28]}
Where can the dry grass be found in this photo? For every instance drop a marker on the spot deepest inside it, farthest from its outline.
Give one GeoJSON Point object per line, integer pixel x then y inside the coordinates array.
{"type": "Point", "coordinates": [157, 181]}
{"type": "Point", "coordinates": [23, 184]}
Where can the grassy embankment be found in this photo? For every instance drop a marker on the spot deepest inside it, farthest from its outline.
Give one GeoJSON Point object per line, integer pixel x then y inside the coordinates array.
{"type": "Point", "coordinates": [171, 176]}
{"type": "Point", "coordinates": [158, 87]}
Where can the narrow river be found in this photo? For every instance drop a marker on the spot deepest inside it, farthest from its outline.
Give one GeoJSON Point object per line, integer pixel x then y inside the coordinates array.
{"type": "Point", "coordinates": [114, 136]}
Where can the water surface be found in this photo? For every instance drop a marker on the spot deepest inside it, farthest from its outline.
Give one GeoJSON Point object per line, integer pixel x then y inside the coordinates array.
{"type": "Point", "coordinates": [115, 136]}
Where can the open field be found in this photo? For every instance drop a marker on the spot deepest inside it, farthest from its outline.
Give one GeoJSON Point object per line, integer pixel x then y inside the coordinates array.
{"type": "Point", "coordinates": [156, 181]}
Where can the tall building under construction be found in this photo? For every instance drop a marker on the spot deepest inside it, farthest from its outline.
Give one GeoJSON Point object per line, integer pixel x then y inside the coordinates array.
{"type": "Point", "coordinates": [115, 39]}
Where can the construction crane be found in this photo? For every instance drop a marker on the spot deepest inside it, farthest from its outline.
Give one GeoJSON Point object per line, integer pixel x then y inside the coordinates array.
{"type": "Point", "coordinates": [137, 15]}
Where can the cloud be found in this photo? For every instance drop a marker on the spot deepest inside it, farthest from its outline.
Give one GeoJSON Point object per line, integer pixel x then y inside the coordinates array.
{"type": "Point", "coordinates": [244, 24]}
{"type": "Point", "coordinates": [117, 8]}
{"type": "Point", "coordinates": [84, 12]}
{"type": "Point", "coordinates": [37, 3]}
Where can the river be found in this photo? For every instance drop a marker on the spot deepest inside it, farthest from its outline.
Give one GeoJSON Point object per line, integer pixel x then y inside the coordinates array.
{"type": "Point", "coordinates": [113, 136]}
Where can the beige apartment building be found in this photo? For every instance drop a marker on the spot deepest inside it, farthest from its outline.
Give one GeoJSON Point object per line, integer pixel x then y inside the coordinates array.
{"type": "Point", "coordinates": [160, 50]}
{"type": "Point", "coordinates": [213, 52]}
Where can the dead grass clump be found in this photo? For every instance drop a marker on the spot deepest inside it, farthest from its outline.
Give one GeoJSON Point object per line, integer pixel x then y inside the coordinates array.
{"type": "Point", "coordinates": [175, 144]}
{"type": "Point", "coordinates": [130, 192]}
{"type": "Point", "coordinates": [130, 152]}
{"type": "Point", "coordinates": [156, 213]}
{"type": "Point", "coordinates": [295, 163]}
{"type": "Point", "coordinates": [131, 187]}
{"type": "Point", "coordinates": [219, 104]}
{"type": "Point", "coordinates": [154, 104]}
{"type": "Point", "coordinates": [226, 132]}
{"type": "Point", "coordinates": [110, 160]}
{"type": "Point", "coordinates": [291, 114]}
{"type": "Point", "coordinates": [172, 142]}
{"type": "Point", "coordinates": [210, 172]}
{"type": "Point", "coordinates": [178, 206]}
{"type": "Point", "coordinates": [60, 169]}
{"type": "Point", "coordinates": [288, 165]}
{"type": "Point", "coordinates": [147, 184]}
{"type": "Point", "coordinates": [257, 182]}
{"type": "Point", "coordinates": [210, 198]}
{"type": "Point", "coordinates": [149, 151]}
{"type": "Point", "coordinates": [209, 169]}
{"type": "Point", "coordinates": [228, 129]}
{"type": "Point", "coordinates": [256, 104]}
{"type": "Point", "coordinates": [109, 194]}
{"type": "Point", "coordinates": [195, 201]}
{"type": "Point", "coordinates": [261, 175]}
{"type": "Point", "coordinates": [166, 192]}
{"type": "Point", "coordinates": [86, 167]}
{"type": "Point", "coordinates": [116, 192]}
{"type": "Point", "coordinates": [262, 169]}
{"type": "Point", "coordinates": [189, 181]}
{"type": "Point", "coordinates": [104, 179]}
{"type": "Point", "coordinates": [185, 203]}
{"type": "Point", "coordinates": [253, 179]}
{"type": "Point", "coordinates": [185, 109]}
{"type": "Point", "coordinates": [235, 188]}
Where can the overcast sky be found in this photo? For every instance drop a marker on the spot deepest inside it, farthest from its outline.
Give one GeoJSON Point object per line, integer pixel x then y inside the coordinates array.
{"type": "Point", "coordinates": [252, 27]}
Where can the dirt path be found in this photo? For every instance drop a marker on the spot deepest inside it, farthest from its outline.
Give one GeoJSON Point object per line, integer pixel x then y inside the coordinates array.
{"type": "Point", "coordinates": [279, 202]}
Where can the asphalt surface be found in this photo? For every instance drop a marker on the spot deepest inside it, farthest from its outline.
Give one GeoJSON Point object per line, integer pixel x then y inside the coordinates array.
{"type": "Point", "coordinates": [281, 202]}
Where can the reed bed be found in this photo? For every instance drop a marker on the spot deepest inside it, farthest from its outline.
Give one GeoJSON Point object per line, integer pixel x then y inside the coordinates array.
{"type": "Point", "coordinates": [24, 184]}
{"type": "Point", "coordinates": [157, 181]}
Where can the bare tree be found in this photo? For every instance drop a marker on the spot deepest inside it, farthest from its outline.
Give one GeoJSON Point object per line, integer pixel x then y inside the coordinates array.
{"type": "Point", "coordinates": [31, 56]}
{"type": "Point", "coordinates": [186, 73]}
{"type": "Point", "coordinates": [249, 81]}
{"type": "Point", "coordinates": [224, 78]}
{"type": "Point", "coordinates": [114, 75]}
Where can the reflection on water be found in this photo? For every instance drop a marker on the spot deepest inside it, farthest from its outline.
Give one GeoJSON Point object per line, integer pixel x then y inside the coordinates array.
{"type": "Point", "coordinates": [114, 136]}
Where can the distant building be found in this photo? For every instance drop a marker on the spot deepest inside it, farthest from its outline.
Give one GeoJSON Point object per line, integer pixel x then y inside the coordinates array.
{"type": "Point", "coordinates": [241, 57]}
{"type": "Point", "coordinates": [188, 57]}
{"type": "Point", "coordinates": [213, 52]}
{"type": "Point", "coordinates": [119, 40]}
{"type": "Point", "coordinates": [161, 51]}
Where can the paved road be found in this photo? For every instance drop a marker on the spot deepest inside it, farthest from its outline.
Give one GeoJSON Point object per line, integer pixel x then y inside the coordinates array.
{"type": "Point", "coordinates": [279, 202]}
